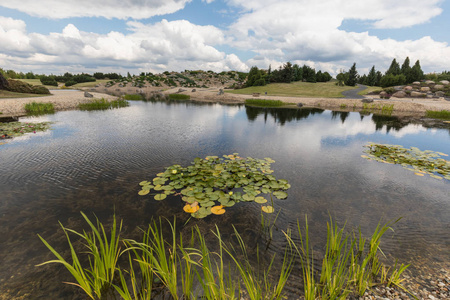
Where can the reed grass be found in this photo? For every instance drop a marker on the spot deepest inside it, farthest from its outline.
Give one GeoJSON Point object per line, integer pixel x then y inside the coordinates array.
{"type": "Point", "coordinates": [103, 104]}
{"type": "Point", "coordinates": [37, 108]}
{"type": "Point", "coordinates": [442, 114]}
{"type": "Point", "coordinates": [134, 97]}
{"type": "Point", "coordinates": [188, 269]}
{"type": "Point", "coordinates": [265, 103]}
{"type": "Point", "coordinates": [179, 97]}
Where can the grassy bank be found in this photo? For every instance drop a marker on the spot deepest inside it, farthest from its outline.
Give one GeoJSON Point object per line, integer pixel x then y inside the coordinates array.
{"type": "Point", "coordinates": [179, 97]}
{"type": "Point", "coordinates": [443, 114]}
{"type": "Point", "coordinates": [134, 97]}
{"type": "Point", "coordinates": [89, 84]}
{"type": "Point", "coordinates": [297, 89]}
{"type": "Point", "coordinates": [369, 90]}
{"type": "Point", "coordinates": [35, 108]}
{"type": "Point", "coordinates": [266, 103]}
{"type": "Point", "coordinates": [7, 94]}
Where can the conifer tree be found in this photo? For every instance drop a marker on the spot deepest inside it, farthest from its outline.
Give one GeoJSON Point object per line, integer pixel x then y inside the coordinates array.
{"type": "Point", "coordinates": [352, 76]}
{"type": "Point", "coordinates": [394, 69]}
{"type": "Point", "coordinates": [372, 77]}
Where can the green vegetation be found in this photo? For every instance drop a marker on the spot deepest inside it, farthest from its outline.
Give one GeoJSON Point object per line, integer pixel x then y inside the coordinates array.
{"type": "Point", "coordinates": [384, 109]}
{"type": "Point", "coordinates": [133, 97]}
{"type": "Point", "coordinates": [8, 94]}
{"type": "Point", "coordinates": [179, 97]}
{"type": "Point", "coordinates": [23, 87]}
{"type": "Point", "coordinates": [420, 162]}
{"type": "Point", "coordinates": [13, 129]}
{"type": "Point", "coordinates": [266, 103]}
{"type": "Point", "coordinates": [214, 179]}
{"type": "Point", "coordinates": [343, 106]}
{"type": "Point", "coordinates": [37, 108]}
{"type": "Point", "coordinates": [296, 89]}
{"type": "Point", "coordinates": [102, 104]}
{"type": "Point", "coordinates": [442, 114]}
{"type": "Point", "coordinates": [370, 89]}
{"type": "Point", "coordinates": [90, 84]}
{"type": "Point", "coordinates": [350, 266]}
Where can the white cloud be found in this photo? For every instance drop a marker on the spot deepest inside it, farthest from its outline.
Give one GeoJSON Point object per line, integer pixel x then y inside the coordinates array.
{"type": "Point", "coordinates": [120, 9]}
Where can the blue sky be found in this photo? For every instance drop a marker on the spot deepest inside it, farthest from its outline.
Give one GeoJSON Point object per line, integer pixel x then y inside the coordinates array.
{"type": "Point", "coordinates": [54, 36]}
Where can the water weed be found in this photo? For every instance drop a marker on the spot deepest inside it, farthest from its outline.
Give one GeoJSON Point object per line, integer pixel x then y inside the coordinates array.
{"type": "Point", "coordinates": [442, 114]}
{"type": "Point", "coordinates": [103, 104]}
{"type": "Point", "coordinates": [37, 108]}
{"type": "Point", "coordinates": [265, 103]}
{"type": "Point", "coordinates": [179, 97]}
{"type": "Point", "coordinates": [134, 97]}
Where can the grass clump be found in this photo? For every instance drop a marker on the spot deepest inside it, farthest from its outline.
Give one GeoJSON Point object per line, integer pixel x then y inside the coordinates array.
{"type": "Point", "coordinates": [103, 104]}
{"type": "Point", "coordinates": [265, 103]}
{"type": "Point", "coordinates": [442, 114]}
{"type": "Point", "coordinates": [36, 108]}
{"type": "Point", "coordinates": [179, 97]}
{"type": "Point", "coordinates": [135, 97]}
{"type": "Point", "coordinates": [343, 105]}
{"type": "Point", "coordinates": [184, 266]}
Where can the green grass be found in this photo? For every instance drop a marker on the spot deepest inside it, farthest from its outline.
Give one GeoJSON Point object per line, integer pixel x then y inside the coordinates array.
{"type": "Point", "coordinates": [442, 114]}
{"type": "Point", "coordinates": [133, 97]}
{"type": "Point", "coordinates": [297, 89]}
{"type": "Point", "coordinates": [89, 84]}
{"type": "Point", "coordinates": [369, 90]}
{"type": "Point", "coordinates": [188, 269]}
{"type": "Point", "coordinates": [7, 94]}
{"type": "Point", "coordinates": [37, 82]}
{"type": "Point", "coordinates": [102, 104]}
{"type": "Point", "coordinates": [179, 97]}
{"type": "Point", "coordinates": [265, 103]}
{"type": "Point", "coordinates": [35, 108]}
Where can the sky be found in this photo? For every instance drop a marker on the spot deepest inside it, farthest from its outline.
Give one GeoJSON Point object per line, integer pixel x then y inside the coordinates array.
{"type": "Point", "coordinates": [58, 36]}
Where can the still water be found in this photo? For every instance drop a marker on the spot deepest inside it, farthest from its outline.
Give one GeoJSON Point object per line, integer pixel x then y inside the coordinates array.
{"type": "Point", "coordinates": [93, 162]}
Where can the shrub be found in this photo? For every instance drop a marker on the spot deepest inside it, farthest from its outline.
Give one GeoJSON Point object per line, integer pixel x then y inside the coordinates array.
{"type": "Point", "coordinates": [35, 108]}
{"type": "Point", "coordinates": [70, 83]}
{"type": "Point", "coordinates": [133, 97]}
{"type": "Point", "coordinates": [48, 80]}
{"type": "Point", "coordinates": [39, 89]}
{"type": "Point", "coordinates": [19, 86]}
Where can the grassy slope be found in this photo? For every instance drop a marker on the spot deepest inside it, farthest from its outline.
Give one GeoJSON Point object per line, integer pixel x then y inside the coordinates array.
{"type": "Point", "coordinates": [8, 94]}
{"type": "Point", "coordinates": [370, 89]}
{"type": "Point", "coordinates": [90, 84]}
{"type": "Point", "coordinates": [297, 89]}
{"type": "Point", "coordinates": [37, 82]}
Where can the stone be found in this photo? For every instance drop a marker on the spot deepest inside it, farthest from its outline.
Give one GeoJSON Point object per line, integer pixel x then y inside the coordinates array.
{"type": "Point", "coordinates": [399, 94]}
{"type": "Point", "coordinates": [220, 92]}
{"type": "Point", "coordinates": [193, 90]}
{"type": "Point", "coordinates": [428, 82]}
{"type": "Point", "coordinates": [425, 89]}
{"type": "Point", "coordinates": [367, 100]}
{"type": "Point", "coordinates": [440, 93]}
{"type": "Point", "coordinates": [3, 82]}
{"type": "Point", "coordinates": [383, 94]}
{"type": "Point", "coordinates": [417, 94]}
{"type": "Point", "coordinates": [299, 104]}
{"type": "Point", "coordinates": [181, 90]}
{"type": "Point", "coordinates": [88, 95]}
{"type": "Point", "coordinates": [444, 82]}
{"type": "Point", "coordinates": [408, 88]}
{"type": "Point", "coordinates": [416, 83]}
{"type": "Point", "coordinates": [439, 87]}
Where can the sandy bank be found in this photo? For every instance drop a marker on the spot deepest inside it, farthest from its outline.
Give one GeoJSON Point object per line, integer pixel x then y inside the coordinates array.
{"type": "Point", "coordinates": [61, 99]}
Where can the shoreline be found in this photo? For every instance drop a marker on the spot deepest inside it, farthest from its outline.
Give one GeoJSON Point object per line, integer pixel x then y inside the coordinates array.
{"type": "Point", "coordinates": [70, 99]}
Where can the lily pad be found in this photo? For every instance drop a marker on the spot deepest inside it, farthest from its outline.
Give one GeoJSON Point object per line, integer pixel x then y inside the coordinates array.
{"type": "Point", "coordinates": [160, 197]}
{"type": "Point", "coordinates": [260, 200]}
{"type": "Point", "coordinates": [218, 210]}
{"type": "Point", "coordinates": [268, 209]}
{"type": "Point", "coordinates": [191, 209]}
{"type": "Point", "coordinates": [280, 194]}
{"type": "Point", "coordinates": [143, 192]}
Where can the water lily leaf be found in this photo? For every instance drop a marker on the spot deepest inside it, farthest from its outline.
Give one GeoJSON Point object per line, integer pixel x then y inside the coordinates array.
{"type": "Point", "coordinates": [217, 210]}
{"type": "Point", "coordinates": [143, 192]}
{"type": "Point", "coordinates": [160, 197]}
{"type": "Point", "coordinates": [157, 187]}
{"type": "Point", "coordinates": [280, 195]}
{"type": "Point", "coordinates": [144, 182]}
{"type": "Point", "coordinates": [159, 174]}
{"type": "Point", "coordinates": [208, 204]}
{"type": "Point", "coordinates": [148, 187]}
{"type": "Point", "coordinates": [260, 200]}
{"type": "Point", "coordinates": [190, 209]}
{"type": "Point", "coordinates": [268, 209]}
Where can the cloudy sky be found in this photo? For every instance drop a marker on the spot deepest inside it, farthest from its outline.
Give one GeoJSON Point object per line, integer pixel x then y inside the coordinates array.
{"type": "Point", "coordinates": [55, 36]}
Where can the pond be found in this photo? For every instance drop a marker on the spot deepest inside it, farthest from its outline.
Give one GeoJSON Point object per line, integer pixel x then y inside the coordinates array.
{"type": "Point", "coordinates": [93, 162]}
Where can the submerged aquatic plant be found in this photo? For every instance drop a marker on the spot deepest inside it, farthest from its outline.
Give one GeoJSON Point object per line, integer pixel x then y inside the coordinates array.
{"type": "Point", "coordinates": [13, 129]}
{"type": "Point", "coordinates": [213, 179]}
{"type": "Point", "coordinates": [413, 159]}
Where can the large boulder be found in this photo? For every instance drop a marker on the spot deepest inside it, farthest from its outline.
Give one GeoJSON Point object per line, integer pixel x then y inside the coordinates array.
{"type": "Point", "coordinates": [418, 94]}
{"type": "Point", "coordinates": [399, 94]}
{"type": "Point", "coordinates": [416, 83]}
{"type": "Point", "coordinates": [383, 95]}
{"type": "Point", "coordinates": [439, 87]}
{"type": "Point", "coordinates": [88, 95]}
{"type": "Point", "coordinates": [3, 82]}
{"type": "Point", "coordinates": [444, 82]}
{"type": "Point", "coordinates": [430, 82]}
{"type": "Point", "coordinates": [440, 94]}
{"type": "Point", "coordinates": [367, 100]}
{"type": "Point", "coordinates": [408, 88]}
{"type": "Point", "coordinates": [425, 89]}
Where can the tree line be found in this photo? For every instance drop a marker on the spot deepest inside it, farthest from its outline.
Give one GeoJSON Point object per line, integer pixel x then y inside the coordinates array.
{"type": "Point", "coordinates": [286, 73]}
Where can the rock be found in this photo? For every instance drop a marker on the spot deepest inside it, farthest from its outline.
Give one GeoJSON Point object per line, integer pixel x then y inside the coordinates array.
{"type": "Point", "coordinates": [383, 94]}
{"type": "Point", "coordinates": [88, 95]}
{"type": "Point", "coordinates": [439, 87]}
{"type": "Point", "coordinates": [440, 94]}
{"type": "Point", "coordinates": [299, 104]}
{"type": "Point", "coordinates": [416, 83]}
{"type": "Point", "coordinates": [3, 82]}
{"type": "Point", "coordinates": [428, 82]}
{"type": "Point", "coordinates": [367, 100]}
{"type": "Point", "coordinates": [444, 82]}
{"type": "Point", "coordinates": [417, 94]}
{"type": "Point", "coordinates": [399, 94]}
{"type": "Point", "coordinates": [181, 90]}
{"type": "Point", "coordinates": [220, 92]}
{"type": "Point", "coordinates": [193, 90]}
{"type": "Point", "coordinates": [425, 89]}
{"type": "Point", "coordinates": [408, 88]}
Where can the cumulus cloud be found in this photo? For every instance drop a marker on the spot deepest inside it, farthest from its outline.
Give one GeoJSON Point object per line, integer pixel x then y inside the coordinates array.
{"type": "Point", "coordinates": [120, 9]}
{"type": "Point", "coordinates": [175, 45]}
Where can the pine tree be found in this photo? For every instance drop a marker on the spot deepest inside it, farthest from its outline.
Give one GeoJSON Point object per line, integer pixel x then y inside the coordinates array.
{"type": "Point", "coordinates": [406, 70]}
{"type": "Point", "coordinates": [372, 77]}
{"type": "Point", "coordinates": [352, 76]}
{"type": "Point", "coordinates": [394, 69]}
{"type": "Point", "coordinates": [416, 72]}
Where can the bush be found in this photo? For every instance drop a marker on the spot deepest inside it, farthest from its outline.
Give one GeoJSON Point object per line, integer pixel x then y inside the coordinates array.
{"type": "Point", "coordinates": [19, 86]}
{"type": "Point", "coordinates": [389, 90]}
{"type": "Point", "coordinates": [39, 89]}
{"type": "Point", "coordinates": [179, 97]}
{"type": "Point", "coordinates": [70, 83]}
{"type": "Point", "coordinates": [48, 80]}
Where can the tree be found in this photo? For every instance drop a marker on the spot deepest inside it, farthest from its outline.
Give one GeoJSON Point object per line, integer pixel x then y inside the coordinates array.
{"type": "Point", "coordinates": [309, 74]}
{"type": "Point", "coordinates": [298, 72]}
{"type": "Point", "coordinates": [352, 76]}
{"type": "Point", "coordinates": [255, 77]}
{"type": "Point", "coordinates": [372, 77]}
{"type": "Point", "coordinates": [416, 72]}
{"type": "Point", "coordinates": [394, 69]}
